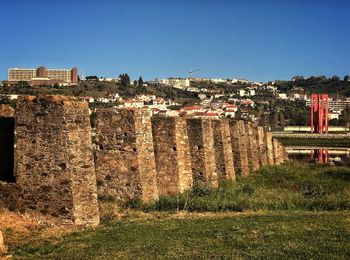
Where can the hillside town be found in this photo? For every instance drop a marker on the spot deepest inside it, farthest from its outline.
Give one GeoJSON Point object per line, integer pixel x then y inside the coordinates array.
{"type": "Point", "coordinates": [264, 102]}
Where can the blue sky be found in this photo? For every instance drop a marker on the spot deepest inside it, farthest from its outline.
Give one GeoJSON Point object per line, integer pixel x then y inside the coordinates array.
{"type": "Point", "coordinates": [258, 40]}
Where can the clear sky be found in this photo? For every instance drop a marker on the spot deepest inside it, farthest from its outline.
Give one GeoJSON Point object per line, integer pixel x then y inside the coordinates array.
{"type": "Point", "coordinates": [258, 40]}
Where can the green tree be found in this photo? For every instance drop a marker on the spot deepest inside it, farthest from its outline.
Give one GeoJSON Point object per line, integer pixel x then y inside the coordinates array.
{"type": "Point", "coordinates": [140, 83]}
{"type": "Point", "coordinates": [124, 80]}
{"type": "Point", "coordinates": [335, 78]}
{"type": "Point", "coordinates": [346, 78]}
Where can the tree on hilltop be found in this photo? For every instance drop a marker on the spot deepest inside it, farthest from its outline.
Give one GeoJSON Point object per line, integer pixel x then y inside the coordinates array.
{"type": "Point", "coordinates": [140, 83]}
{"type": "Point", "coordinates": [124, 80]}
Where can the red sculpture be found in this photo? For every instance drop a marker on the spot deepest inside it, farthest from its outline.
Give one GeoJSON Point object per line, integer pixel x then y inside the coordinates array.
{"type": "Point", "coordinates": [319, 113]}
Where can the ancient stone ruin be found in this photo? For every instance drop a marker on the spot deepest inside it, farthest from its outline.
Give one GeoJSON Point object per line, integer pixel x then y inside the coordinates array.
{"type": "Point", "coordinates": [3, 248]}
{"type": "Point", "coordinates": [55, 161]}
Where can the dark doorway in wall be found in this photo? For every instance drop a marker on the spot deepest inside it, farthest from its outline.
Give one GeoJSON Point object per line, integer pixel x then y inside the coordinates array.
{"type": "Point", "coordinates": [7, 141]}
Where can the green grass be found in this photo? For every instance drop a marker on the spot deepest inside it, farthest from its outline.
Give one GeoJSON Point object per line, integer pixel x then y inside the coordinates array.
{"type": "Point", "coordinates": [288, 211]}
{"type": "Point", "coordinates": [286, 187]}
{"type": "Point", "coordinates": [289, 141]}
{"type": "Point", "coordinates": [276, 235]}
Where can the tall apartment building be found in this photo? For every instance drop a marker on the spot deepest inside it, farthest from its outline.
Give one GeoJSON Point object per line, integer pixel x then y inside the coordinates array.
{"type": "Point", "coordinates": [176, 82]}
{"type": "Point", "coordinates": [335, 104]}
{"type": "Point", "coordinates": [43, 76]}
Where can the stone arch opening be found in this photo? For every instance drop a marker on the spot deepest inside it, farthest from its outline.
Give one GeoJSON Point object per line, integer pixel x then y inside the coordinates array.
{"type": "Point", "coordinates": [7, 150]}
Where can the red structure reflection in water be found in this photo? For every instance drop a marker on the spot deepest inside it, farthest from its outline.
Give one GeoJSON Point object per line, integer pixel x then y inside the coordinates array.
{"type": "Point", "coordinates": [320, 155]}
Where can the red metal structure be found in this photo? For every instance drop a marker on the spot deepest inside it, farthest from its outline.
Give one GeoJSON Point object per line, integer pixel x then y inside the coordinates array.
{"type": "Point", "coordinates": [320, 155]}
{"type": "Point", "coordinates": [319, 113]}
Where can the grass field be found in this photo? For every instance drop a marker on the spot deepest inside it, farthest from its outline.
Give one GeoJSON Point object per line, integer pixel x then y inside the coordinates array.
{"type": "Point", "coordinates": [289, 211]}
{"type": "Point", "coordinates": [271, 235]}
{"type": "Point", "coordinates": [285, 187]}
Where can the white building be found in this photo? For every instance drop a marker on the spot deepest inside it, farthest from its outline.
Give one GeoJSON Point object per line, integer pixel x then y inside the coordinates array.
{"type": "Point", "coordinates": [244, 81]}
{"type": "Point", "coordinates": [176, 82]}
{"type": "Point", "coordinates": [217, 80]}
{"type": "Point", "coordinates": [281, 96]}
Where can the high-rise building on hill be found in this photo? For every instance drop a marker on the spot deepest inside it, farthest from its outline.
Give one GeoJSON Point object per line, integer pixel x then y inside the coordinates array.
{"type": "Point", "coordinates": [43, 76]}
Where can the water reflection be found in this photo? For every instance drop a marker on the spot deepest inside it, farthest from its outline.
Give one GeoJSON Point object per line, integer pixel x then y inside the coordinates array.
{"type": "Point", "coordinates": [333, 155]}
{"type": "Point", "coordinates": [319, 155]}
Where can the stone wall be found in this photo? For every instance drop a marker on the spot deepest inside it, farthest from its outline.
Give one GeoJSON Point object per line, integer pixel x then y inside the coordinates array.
{"type": "Point", "coordinates": [58, 173]}
{"type": "Point", "coordinates": [3, 248]}
{"type": "Point", "coordinates": [172, 155]}
{"type": "Point", "coordinates": [55, 169]}
{"type": "Point", "coordinates": [6, 111]}
{"type": "Point", "coordinates": [279, 152]}
{"type": "Point", "coordinates": [124, 156]}
{"type": "Point", "coordinates": [269, 148]}
{"type": "Point", "coordinates": [201, 140]}
{"type": "Point", "coordinates": [239, 147]}
{"type": "Point", "coordinates": [9, 196]}
{"type": "Point", "coordinates": [223, 150]}
{"type": "Point", "coordinates": [253, 152]}
{"type": "Point", "coordinates": [260, 136]}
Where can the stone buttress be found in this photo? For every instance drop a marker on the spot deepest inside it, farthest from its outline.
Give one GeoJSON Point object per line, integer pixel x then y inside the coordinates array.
{"type": "Point", "coordinates": [239, 147]}
{"type": "Point", "coordinates": [261, 146]}
{"type": "Point", "coordinates": [253, 152]}
{"type": "Point", "coordinates": [223, 150]}
{"type": "Point", "coordinates": [172, 154]}
{"type": "Point", "coordinates": [269, 148]}
{"type": "Point", "coordinates": [201, 140]}
{"type": "Point", "coordinates": [55, 166]}
{"type": "Point", "coordinates": [124, 155]}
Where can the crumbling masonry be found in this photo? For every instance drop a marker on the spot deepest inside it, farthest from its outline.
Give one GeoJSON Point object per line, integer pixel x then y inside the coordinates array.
{"type": "Point", "coordinates": [56, 162]}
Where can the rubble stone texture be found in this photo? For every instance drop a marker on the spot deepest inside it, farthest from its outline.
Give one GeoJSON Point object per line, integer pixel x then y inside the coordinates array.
{"type": "Point", "coordinates": [172, 154]}
{"type": "Point", "coordinates": [223, 150]}
{"type": "Point", "coordinates": [269, 148]}
{"type": "Point", "coordinates": [239, 147]}
{"type": "Point", "coordinates": [253, 152]}
{"type": "Point", "coordinates": [124, 156]}
{"type": "Point", "coordinates": [9, 196]}
{"type": "Point", "coordinates": [262, 146]}
{"type": "Point", "coordinates": [3, 248]}
{"type": "Point", "coordinates": [55, 167]}
{"type": "Point", "coordinates": [201, 140]}
{"type": "Point", "coordinates": [279, 152]}
{"type": "Point", "coordinates": [6, 111]}
{"type": "Point", "coordinates": [57, 172]}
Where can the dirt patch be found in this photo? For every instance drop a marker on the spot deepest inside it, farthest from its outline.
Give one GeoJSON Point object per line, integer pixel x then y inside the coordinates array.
{"type": "Point", "coordinates": [19, 229]}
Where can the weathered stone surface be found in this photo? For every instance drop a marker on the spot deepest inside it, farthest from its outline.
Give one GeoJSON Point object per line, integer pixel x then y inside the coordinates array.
{"type": "Point", "coordinates": [6, 111]}
{"type": "Point", "coordinates": [201, 140]}
{"type": "Point", "coordinates": [9, 196]}
{"type": "Point", "coordinates": [280, 154]}
{"type": "Point", "coordinates": [239, 147]}
{"type": "Point", "coordinates": [3, 248]}
{"type": "Point", "coordinates": [81, 163]}
{"type": "Point", "coordinates": [253, 152]}
{"type": "Point", "coordinates": [262, 146]}
{"type": "Point", "coordinates": [269, 148]}
{"type": "Point", "coordinates": [124, 158]}
{"type": "Point", "coordinates": [223, 150]}
{"type": "Point", "coordinates": [55, 168]}
{"type": "Point", "coordinates": [172, 154]}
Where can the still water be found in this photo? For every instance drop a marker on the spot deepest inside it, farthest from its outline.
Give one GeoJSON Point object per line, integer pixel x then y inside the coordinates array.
{"type": "Point", "coordinates": [331, 155]}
